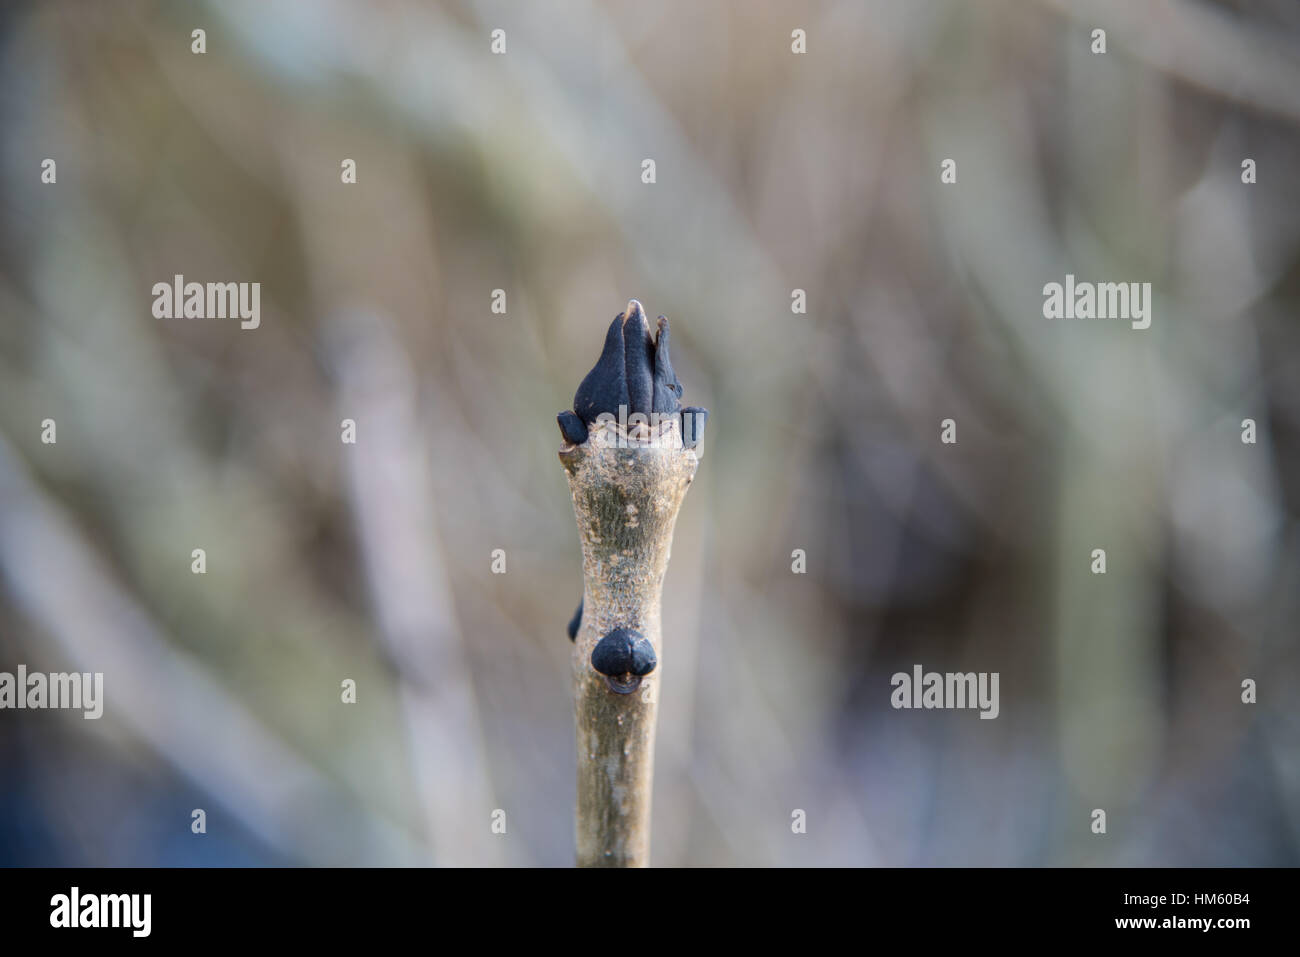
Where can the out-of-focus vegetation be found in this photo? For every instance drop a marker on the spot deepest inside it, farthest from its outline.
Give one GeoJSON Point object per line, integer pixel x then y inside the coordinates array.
{"type": "Point", "coordinates": [775, 171]}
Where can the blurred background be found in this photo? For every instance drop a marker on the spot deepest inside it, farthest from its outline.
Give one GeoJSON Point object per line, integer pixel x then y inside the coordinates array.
{"type": "Point", "coordinates": [774, 172]}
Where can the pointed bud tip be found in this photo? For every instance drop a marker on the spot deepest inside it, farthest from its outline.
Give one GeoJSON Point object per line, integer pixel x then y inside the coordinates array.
{"type": "Point", "coordinates": [635, 314]}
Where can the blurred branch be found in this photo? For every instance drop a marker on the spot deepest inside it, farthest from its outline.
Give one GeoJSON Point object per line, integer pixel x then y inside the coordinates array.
{"type": "Point", "coordinates": [1201, 45]}
{"type": "Point", "coordinates": [392, 500]}
{"type": "Point", "coordinates": [163, 695]}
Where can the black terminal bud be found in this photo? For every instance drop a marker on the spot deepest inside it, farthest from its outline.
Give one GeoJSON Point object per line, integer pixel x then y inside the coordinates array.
{"type": "Point", "coordinates": [635, 372]}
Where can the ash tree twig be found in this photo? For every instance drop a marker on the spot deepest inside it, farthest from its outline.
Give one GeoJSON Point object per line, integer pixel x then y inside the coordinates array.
{"type": "Point", "coordinates": [630, 454]}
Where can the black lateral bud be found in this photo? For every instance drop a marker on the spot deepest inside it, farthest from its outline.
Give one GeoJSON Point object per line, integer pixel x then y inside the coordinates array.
{"type": "Point", "coordinates": [693, 421]}
{"type": "Point", "coordinates": [624, 657]}
{"type": "Point", "coordinates": [572, 428]}
{"type": "Point", "coordinates": [576, 621]}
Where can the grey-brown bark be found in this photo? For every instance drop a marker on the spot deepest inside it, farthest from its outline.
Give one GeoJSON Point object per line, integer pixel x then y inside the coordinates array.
{"type": "Point", "coordinates": [626, 501]}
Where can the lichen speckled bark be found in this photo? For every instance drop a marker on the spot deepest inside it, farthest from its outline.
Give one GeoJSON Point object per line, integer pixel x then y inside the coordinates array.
{"type": "Point", "coordinates": [626, 502]}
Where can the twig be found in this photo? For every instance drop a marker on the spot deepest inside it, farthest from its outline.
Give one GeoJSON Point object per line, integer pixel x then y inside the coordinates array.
{"type": "Point", "coordinates": [627, 483]}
